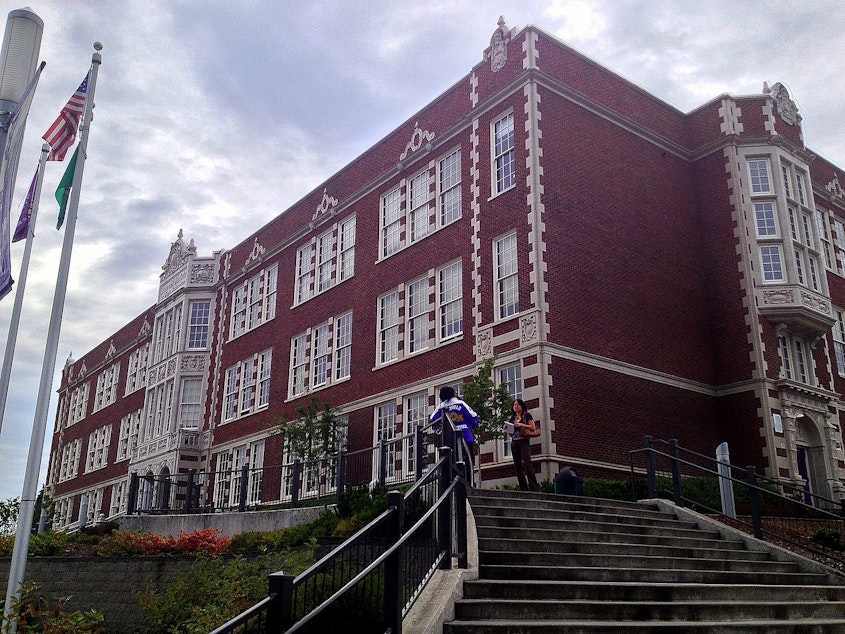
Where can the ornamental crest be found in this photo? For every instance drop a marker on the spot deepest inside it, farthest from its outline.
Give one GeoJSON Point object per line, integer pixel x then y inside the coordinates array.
{"type": "Point", "coordinates": [179, 251]}
{"type": "Point", "coordinates": [499, 46]}
{"type": "Point", "coordinates": [416, 141]}
{"type": "Point", "coordinates": [834, 188]}
{"type": "Point", "coordinates": [327, 204]}
{"type": "Point", "coordinates": [787, 109]}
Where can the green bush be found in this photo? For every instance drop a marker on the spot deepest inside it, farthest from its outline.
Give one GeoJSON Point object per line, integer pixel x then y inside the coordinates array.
{"type": "Point", "coordinates": [49, 544]}
{"type": "Point", "coordinates": [37, 613]}
{"type": "Point", "coordinates": [829, 538]}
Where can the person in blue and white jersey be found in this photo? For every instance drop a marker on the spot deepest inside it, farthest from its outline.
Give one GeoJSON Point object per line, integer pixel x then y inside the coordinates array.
{"type": "Point", "coordinates": [463, 419]}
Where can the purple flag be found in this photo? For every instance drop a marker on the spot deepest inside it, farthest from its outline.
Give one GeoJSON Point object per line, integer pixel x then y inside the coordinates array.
{"type": "Point", "coordinates": [22, 229]}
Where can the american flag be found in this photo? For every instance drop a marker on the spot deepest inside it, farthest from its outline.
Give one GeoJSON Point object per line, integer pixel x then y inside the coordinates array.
{"type": "Point", "coordinates": [62, 133]}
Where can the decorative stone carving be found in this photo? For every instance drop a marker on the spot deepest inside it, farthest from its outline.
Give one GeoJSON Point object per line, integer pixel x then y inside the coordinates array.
{"type": "Point", "coordinates": [834, 188]}
{"type": "Point", "coordinates": [326, 205]}
{"type": "Point", "coordinates": [485, 344]}
{"type": "Point", "coordinates": [256, 253]}
{"type": "Point", "coordinates": [815, 302]}
{"type": "Point", "coordinates": [498, 54]}
{"type": "Point", "coordinates": [111, 351]}
{"type": "Point", "coordinates": [191, 363]}
{"type": "Point", "coordinates": [202, 273]}
{"type": "Point", "coordinates": [145, 330]}
{"type": "Point", "coordinates": [778, 296]}
{"type": "Point", "coordinates": [787, 109]}
{"type": "Point", "coordinates": [528, 328]}
{"type": "Point", "coordinates": [83, 371]}
{"type": "Point", "coordinates": [179, 252]}
{"type": "Point", "coordinates": [417, 138]}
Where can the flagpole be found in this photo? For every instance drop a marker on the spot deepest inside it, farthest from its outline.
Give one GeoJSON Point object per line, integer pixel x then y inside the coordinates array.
{"type": "Point", "coordinates": [36, 446]}
{"type": "Point", "coordinates": [8, 355]}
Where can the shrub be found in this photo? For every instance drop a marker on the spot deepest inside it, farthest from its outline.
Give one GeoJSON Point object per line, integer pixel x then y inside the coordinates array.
{"type": "Point", "coordinates": [49, 544]}
{"type": "Point", "coordinates": [7, 544]}
{"type": "Point", "coordinates": [829, 538]}
{"type": "Point", "coordinates": [35, 614]}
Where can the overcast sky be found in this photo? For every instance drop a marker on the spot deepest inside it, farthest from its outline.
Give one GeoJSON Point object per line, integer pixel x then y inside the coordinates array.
{"type": "Point", "coordinates": [214, 117]}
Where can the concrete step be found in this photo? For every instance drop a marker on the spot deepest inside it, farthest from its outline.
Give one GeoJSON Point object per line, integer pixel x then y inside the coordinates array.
{"type": "Point", "coordinates": [803, 626]}
{"type": "Point", "coordinates": [533, 528]}
{"type": "Point", "coordinates": [705, 549]}
{"type": "Point", "coordinates": [738, 561]}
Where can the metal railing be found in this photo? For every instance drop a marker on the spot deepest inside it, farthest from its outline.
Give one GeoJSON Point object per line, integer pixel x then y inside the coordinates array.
{"type": "Point", "coordinates": [373, 578]}
{"type": "Point", "coordinates": [773, 510]}
{"type": "Point", "coordinates": [395, 462]}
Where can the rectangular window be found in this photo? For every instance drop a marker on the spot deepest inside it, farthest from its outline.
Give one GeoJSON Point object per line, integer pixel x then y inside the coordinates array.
{"type": "Point", "coordinates": [78, 404]}
{"type": "Point", "coordinates": [764, 214]}
{"type": "Point", "coordinates": [254, 302]}
{"type": "Point", "coordinates": [449, 188]}
{"type": "Point", "coordinates": [325, 252]}
{"type": "Point", "coordinates": [136, 375]}
{"type": "Point", "coordinates": [386, 431]}
{"type": "Point", "coordinates": [190, 408]}
{"type": "Point", "coordinates": [418, 315]}
{"type": "Point", "coordinates": [98, 448]}
{"type": "Point", "coordinates": [450, 300]}
{"type": "Point", "coordinates": [507, 289]}
{"type": "Point", "coordinates": [198, 328]}
{"type": "Point", "coordinates": [346, 249]}
{"type": "Point", "coordinates": [388, 327]}
{"type": "Point", "coordinates": [792, 225]}
{"type": "Point", "coordinates": [265, 362]}
{"type": "Point", "coordinates": [799, 267]}
{"type": "Point", "coordinates": [504, 156]}
{"type": "Point", "coordinates": [772, 263]}
{"type": "Point", "coordinates": [418, 206]}
{"type": "Point", "coordinates": [823, 227]}
{"type": "Point", "coordinates": [343, 346]}
{"type": "Point", "coordinates": [814, 274]}
{"type": "Point", "coordinates": [298, 364]}
{"type": "Point", "coordinates": [246, 387]}
{"type": "Point", "coordinates": [230, 393]}
{"type": "Point", "coordinates": [106, 392]}
{"type": "Point", "coordinates": [416, 414]}
{"type": "Point", "coordinates": [787, 180]}
{"type": "Point", "coordinates": [118, 498]}
{"type": "Point", "coordinates": [128, 438]}
{"type": "Point", "coordinates": [304, 273]}
{"type": "Point", "coordinates": [758, 169]}
{"type": "Point", "coordinates": [391, 222]}
{"type": "Point", "coordinates": [320, 355]}
{"type": "Point", "coordinates": [807, 230]}
{"type": "Point", "coordinates": [69, 465]}
{"type": "Point", "coordinates": [839, 341]}
{"type": "Point", "coordinates": [511, 377]}
{"type": "Point", "coordinates": [799, 188]}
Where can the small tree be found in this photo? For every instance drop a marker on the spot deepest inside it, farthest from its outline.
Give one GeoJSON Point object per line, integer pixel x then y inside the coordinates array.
{"type": "Point", "coordinates": [318, 431]}
{"type": "Point", "coordinates": [9, 515]}
{"type": "Point", "coordinates": [492, 403]}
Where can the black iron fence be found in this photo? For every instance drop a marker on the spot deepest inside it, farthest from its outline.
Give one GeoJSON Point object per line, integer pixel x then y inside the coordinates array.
{"type": "Point", "coordinates": [774, 510]}
{"type": "Point", "coordinates": [374, 577]}
{"type": "Point", "coordinates": [394, 462]}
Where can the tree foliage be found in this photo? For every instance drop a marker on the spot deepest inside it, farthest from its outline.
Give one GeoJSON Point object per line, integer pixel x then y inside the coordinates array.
{"type": "Point", "coordinates": [492, 403]}
{"type": "Point", "coordinates": [317, 431]}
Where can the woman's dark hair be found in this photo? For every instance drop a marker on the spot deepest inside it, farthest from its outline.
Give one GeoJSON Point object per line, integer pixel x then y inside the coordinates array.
{"type": "Point", "coordinates": [523, 406]}
{"type": "Point", "coordinates": [446, 393]}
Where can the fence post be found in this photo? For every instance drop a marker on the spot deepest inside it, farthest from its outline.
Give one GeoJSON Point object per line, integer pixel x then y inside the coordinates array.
{"type": "Point", "coordinates": [132, 502]}
{"type": "Point", "coordinates": [754, 498]}
{"type": "Point", "coordinates": [649, 463]}
{"type": "Point", "coordinates": [189, 492]}
{"type": "Point", "coordinates": [382, 463]}
{"type": "Point", "coordinates": [460, 497]}
{"type": "Point", "coordinates": [243, 488]}
{"type": "Point", "coordinates": [165, 493]}
{"type": "Point", "coordinates": [280, 611]}
{"type": "Point", "coordinates": [296, 478]}
{"type": "Point", "coordinates": [341, 475]}
{"type": "Point", "coordinates": [676, 474]}
{"type": "Point", "coordinates": [393, 565]}
{"type": "Point", "coordinates": [419, 440]}
{"type": "Point", "coordinates": [444, 513]}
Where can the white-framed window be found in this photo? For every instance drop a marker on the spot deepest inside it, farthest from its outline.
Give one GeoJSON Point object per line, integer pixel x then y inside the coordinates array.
{"type": "Point", "coordinates": [200, 312]}
{"type": "Point", "coordinates": [321, 356]}
{"type": "Point", "coordinates": [839, 242]}
{"type": "Point", "coordinates": [758, 171]}
{"type": "Point", "coordinates": [95, 503]}
{"type": "Point", "coordinates": [391, 222]}
{"type": "Point", "coordinates": [799, 187]}
{"type": "Point", "coordinates": [799, 267]}
{"type": "Point", "coordinates": [246, 386]}
{"type": "Point", "coordinates": [119, 494]}
{"type": "Point", "coordinates": [823, 228]}
{"type": "Point", "coordinates": [511, 377]}
{"type": "Point", "coordinates": [130, 425]}
{"type": "Point", "coordinates": [504, 156]}
{"type": "Point", "coordinates": [839, 340]}
{"type": "Point", "coordinates": [418, 206]}
{"type": "Point", "coordinates": [772, 263]}
{"type": "Point", "coordinates": [796, 359]}
{"type": "Point", "coordinates": [190, 406]}
{"type": "Point", "coordinates": [166, 332]}
{"type": "Point", "coordinates": [136, 373]}
{"type": "Point", "coordinates": [507, 284]}
{"type": "Point", "coordinates": [106, 392]}
{"type": "Point", "coordinates": [388, 327]}
{"type": "Point", "coordinates": [254, 301]}
{"type": "Point", "coordinates": [343, 347]}
{"type": "Point", "coordinates": [69, 464]}
{"type": "Point", "coordinates": [320, 368]}
{"type": "Point", "coordinates": [385, 430]}
{"type": "Point", "coordinates": [325, 261]}
{"type": "Point", "coordinates": [449, 188]}
{"type": "Point", "coordinates": [222, 477]}
{"type": "Point", "coordinates": [98, 448]}
{"type": "Point", "coordinates": [450, 300]}
{"type": "Point", "coordinates": [346, 249]}
{"type": "Point", "coordinates": [78, 406]}
{"type": "Point", "coordinates": [419, 309]}
{"type": "Point", "coordinates": [766, 220]}
{"type": "Point", "coordinates": [416, 414]}
{"type": "Point", "coordinates": [227, 486]}
{"type": "Point", "coordinates": [786, 173]}
{"type": "Point", "coordinates": [158, 406]}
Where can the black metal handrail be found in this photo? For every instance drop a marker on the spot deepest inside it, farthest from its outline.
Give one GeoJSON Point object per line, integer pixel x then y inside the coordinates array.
{"type": "Point", "coordinates": [387, 562]}
{"type": "Point", "coordinates": [769, 509]}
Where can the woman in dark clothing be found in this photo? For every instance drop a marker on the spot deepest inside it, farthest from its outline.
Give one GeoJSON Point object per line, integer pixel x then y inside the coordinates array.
{"type": "Point", "coordinates": [522, 423]}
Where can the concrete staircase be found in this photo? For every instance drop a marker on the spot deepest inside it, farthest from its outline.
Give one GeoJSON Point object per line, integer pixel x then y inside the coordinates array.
{"type": "Point", "coordinates": [551, 563]}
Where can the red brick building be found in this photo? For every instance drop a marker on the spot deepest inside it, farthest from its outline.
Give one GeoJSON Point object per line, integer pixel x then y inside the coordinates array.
{"type": "Point", "coordinates": [632, 268]}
